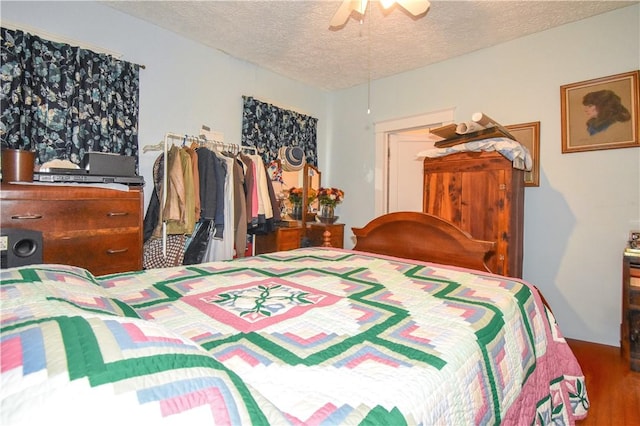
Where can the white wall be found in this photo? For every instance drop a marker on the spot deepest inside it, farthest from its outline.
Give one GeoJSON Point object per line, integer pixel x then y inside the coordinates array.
{"type": "Point", "coordinates": [577, 221]}
{"type": "Point", "coordinates": [184, 85]}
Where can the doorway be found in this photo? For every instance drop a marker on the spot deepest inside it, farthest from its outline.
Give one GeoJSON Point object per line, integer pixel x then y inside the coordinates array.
{"type": "Point", "coordinates": [405, 170]}
{"type": "Point", "coordinates": [398, 174]}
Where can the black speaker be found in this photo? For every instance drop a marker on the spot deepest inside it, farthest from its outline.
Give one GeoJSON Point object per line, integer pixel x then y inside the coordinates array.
{"type": "Point", "coordinates": [20, 247]}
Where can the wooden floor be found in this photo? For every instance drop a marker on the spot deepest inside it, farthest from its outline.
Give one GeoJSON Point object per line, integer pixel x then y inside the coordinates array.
{"type": "Point", "coordinates": [613, 389]}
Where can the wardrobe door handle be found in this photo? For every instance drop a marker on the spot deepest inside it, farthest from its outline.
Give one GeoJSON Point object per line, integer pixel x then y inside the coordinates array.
{"type": "Point", "coordinates": [27, 216]}
{"type": "Point", "coordinates": [117, 251]}
{"type": "Point", "coordinates": [112, 214]}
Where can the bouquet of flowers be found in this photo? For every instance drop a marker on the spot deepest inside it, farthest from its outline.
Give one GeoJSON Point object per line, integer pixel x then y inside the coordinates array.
{"type": "Point", "coordinates": [311, 195]}
{"type": "Point", "coordinates": [330, 196]}
{"type": "Point", "coordinates": [295, 195]}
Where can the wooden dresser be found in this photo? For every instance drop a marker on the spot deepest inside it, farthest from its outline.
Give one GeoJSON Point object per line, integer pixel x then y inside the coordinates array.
{"type": "Point", "coordinates": [289, 238]}
{"type": "Point", "coordinates": [483, 194]}
{"type": "Point", "coordinates": [280, 240]}
{"type": "Point", "coordinates": [94, 228]}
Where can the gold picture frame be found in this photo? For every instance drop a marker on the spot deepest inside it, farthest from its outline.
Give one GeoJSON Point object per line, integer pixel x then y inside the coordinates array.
{"type": "Point", "coordinates": [601, 113]}
{"type": "Point", "coordinates": [528, 134]}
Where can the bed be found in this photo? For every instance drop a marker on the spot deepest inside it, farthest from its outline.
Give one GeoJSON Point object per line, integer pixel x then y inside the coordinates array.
{"type": "Point", "coordinates": [313, 336]}
{"type": "Point", "coordinates": [403, 234]}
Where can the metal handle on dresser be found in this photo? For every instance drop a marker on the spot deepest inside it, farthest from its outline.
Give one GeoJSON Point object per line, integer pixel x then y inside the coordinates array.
{"type": "Point", "coordinates": [111, 214]}
{"type": "Point", "coordinates": [116, 251]}
{"type": "Point", "coordinates": [27, 216]}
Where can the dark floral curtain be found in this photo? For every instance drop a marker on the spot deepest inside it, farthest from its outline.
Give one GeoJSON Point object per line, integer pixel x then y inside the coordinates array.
{"type": "Point", "coordinates": [63, 101]}
{"type": "Point", "coordinates": [267, 128]}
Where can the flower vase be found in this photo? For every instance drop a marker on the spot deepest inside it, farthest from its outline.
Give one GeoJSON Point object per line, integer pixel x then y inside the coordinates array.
{"type": "Point", "coordinates": [296, 211]}
{"type": "Point", "coordinates": [327, 213]}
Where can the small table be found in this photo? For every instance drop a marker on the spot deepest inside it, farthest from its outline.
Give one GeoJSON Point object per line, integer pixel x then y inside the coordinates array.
{"type": "Point", "coordinates": [630, 330]}
{"type": "Point", "coordinates": [316, 233]}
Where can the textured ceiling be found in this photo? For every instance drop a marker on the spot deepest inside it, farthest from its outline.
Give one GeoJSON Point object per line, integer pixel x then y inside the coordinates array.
{"type": "Point", "coordinates": [292, 38]}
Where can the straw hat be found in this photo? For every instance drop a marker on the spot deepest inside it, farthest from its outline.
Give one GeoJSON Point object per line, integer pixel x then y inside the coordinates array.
{"type": "Point", "coordinates": [292, 158]}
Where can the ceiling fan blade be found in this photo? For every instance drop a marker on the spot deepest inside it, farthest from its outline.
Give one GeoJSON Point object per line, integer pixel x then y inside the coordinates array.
{"type": "Point", "coordinates": [345, 10]}
{"type": "Point", "coordinates": [342, 15]}
{"type": "Point", "coordinates": [360, 6]}
{"type": "Point", "coordinates": [415, 7]}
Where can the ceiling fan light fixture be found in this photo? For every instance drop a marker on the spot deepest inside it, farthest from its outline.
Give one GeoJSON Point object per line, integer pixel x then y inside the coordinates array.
{"type": "Point", "coordinates": [415, 7]}
{"type": "Point", "coordinates": [359, 7]}
{"type": "Point", "coordinates": [386, 4]}
{"type": "Point", "coordinates": [362, 6]}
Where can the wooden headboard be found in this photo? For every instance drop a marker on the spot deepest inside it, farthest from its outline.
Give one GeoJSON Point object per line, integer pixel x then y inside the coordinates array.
{"type": "Point", "coordinates": [421, 236]}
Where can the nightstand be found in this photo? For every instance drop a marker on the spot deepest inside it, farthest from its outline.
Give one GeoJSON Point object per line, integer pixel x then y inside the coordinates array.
{"type": "Point", "coordinates": [315, 231]}
{"type": "Point", "coordinates": [630, 329]}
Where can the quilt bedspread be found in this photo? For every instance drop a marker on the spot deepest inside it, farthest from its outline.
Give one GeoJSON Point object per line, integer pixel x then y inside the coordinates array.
{"type": "Point", "coordinates": [309, 336]}
{"type": "Point", "coordinates": [71, 355]}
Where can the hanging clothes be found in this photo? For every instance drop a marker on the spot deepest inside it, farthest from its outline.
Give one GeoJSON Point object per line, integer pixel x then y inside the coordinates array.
{"type": "Point", "coordinates": [196, 182]}
{"type": "Point", "coordinates": [179, 209]}
{"type": "Point", "coordinates": [221, 202]}
{"type": "Point", "coordinates": [153, 247]}
{"type": "Point", "coordinates": [251, 191]}
{"type": "Point", "coordinates": [262, 220]}
{"type": "Point", "coordinates": [189, 192]}
{"type": "Point", "coordinates": [239, 208]}
{"type": "Point", "coordinates": [221, 245]}
{"type": "Point", "coordinates": [211, 174]}
{"type": "Point", "coordinates": [152, 217]}
{"type": "Point", "coordinates": [211, 199]}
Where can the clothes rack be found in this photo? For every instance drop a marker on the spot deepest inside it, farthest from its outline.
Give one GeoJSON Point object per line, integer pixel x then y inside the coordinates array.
{"type": "Point", "coordinates": [201, 141]}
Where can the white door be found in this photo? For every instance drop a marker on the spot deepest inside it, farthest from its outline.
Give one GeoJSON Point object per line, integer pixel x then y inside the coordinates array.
{"type": "Point", "coordinates": [391, 136]}
{"type": "Point", "coordinates": [405, 171]}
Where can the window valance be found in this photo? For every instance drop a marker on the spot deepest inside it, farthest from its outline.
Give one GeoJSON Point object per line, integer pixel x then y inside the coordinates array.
{"type": "Point", "coordinates": [63, 101]}
{"type": "Point", "coordinates": [268, 127]}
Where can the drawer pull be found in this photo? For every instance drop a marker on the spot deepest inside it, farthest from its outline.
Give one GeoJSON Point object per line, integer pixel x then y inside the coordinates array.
{"type": "Point", "coordinates": [27, 216]}
{"type": "Point", "coordinates": [116, 251]}
{"type": "Point", "coordinates": [112, 214]}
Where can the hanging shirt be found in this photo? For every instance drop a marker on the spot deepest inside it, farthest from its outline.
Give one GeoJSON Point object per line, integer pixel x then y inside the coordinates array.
{"type": "Point", "coordinates": [239, 208]}
{"type": "Point", "coordinates": [196, 182]}
{"type": "Point", "coordinates": [221, 246]}
{"type": "Point", "coordinates": [251, 194]}
{"type": "Point", "coordinates": [212, 175]}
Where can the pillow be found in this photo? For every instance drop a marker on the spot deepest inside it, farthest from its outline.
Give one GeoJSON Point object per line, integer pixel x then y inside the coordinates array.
{"type": "Point", "coordinates": [67, 289]}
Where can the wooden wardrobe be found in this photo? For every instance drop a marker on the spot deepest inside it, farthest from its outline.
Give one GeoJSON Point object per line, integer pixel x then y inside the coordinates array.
{"type": "Point", "coordinates": [483, 194]}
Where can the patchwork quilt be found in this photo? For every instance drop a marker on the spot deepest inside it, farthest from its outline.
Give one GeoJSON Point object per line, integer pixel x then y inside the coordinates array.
{"type": "Point", "coordinates": [312, 336]}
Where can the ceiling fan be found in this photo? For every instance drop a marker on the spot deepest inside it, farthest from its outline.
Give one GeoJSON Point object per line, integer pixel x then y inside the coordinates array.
{"type": "Point", "coordinates": [359, 7]}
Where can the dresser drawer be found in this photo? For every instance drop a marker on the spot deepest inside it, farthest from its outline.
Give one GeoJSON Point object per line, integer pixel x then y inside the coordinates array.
{"type": "Point", "coordinates": [101, 253]}
{"type": "Point", "coordinates": [53, 215]}
{"type": "Point", "coordinates": [289, 238]}
{"type": "Point", "coordinates": [281, 239]}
